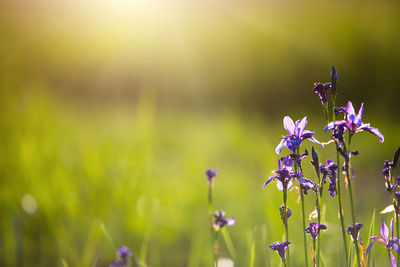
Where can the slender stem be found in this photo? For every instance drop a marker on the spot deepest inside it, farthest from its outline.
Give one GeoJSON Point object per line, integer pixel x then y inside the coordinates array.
{"type": "Point", "coordinates": [215, 249]}
{"type": "Point", "coordinates": [210, 198]}
{"type": "Point", "coordinates": [286, 222]}
{"type": "Point", "coordinates": [338, 188]}
{"type": "Point", "coordinates": [214, 234]}
{"type": "Point", "coordinates": [347, 167]}
{"type": "Point", "coordinates": [304, 224]}
{"type": "Point", "coordinates": [318, 204]}
{"type": "Point", "coordinates": [394, 206]}
{"type": "Point", "coordinates": [315, 262]}
{"type": "Point", "coordinates": [302, 210]}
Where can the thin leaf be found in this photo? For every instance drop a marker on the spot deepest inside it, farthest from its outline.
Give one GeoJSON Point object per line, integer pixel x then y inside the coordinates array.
{"type": "Point", "coordinates": [229, 244]}
{"type": "Point", "coordinates": [370, 233]}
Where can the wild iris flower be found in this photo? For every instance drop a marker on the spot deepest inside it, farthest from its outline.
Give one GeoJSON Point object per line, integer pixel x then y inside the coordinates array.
{"type": "Point", "coordinates": [221, 221]}
{"type": "Point", "coordinates": [211, 174]}
{"type": "Point", "coordinates": [354, 233]}
{"type": "Point", "coordinates": [296, 134]}
{"type": "Point", "coordinates": [389, 241]}
{"type": "Point", "coordinates": [281, 248]}
{"type": "Point", "coordinates": [284, 176]}
{"type": "Point", "coordinates": [322, 90]}
{"type": "Point", "coordinates": [314, 229]}
{"type": "Point", "coordinates": [329, 171]}
{"type": "Point", "coordinates": [123, 254]}
{"type": "Point", "coordinates": [353, 122]}
{"type": "Point", "coordinates": [307, 184]}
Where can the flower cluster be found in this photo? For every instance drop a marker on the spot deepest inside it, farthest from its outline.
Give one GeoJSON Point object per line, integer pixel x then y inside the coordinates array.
{"type": "Point", "coordinates": [314, 229]}
{"type": "Point", "coordinates": [220, 220]}
{"type": "Point", "coordinates": [281, 248]}
{"type": "Point", "coordinates": [123, 257]}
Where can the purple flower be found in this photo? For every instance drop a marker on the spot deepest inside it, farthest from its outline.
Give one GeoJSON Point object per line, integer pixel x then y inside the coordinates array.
{"type": "Point", "coordinates": [123, 253]}
{"type": "Point", "coordinates": [211, 174]}
{"type": "Point", "coordinates": [314, 229]}
{"type": "Point", "coordinates": [354, 233]}
{"type": "Point", "coordinates": [221, 221]}
{"type": "Point", "coordinates": [283, 176]}
{"type": "Point", "coordinates": [307, 184]}
{"type": "Point", "coordinates": [285, 216]}
{"type": "Point", "coordinates": [334, 78]}
{"type": "Point", "coordinates": [296, 134]}
{"type": "Point", "coordinates": [353, 122]}
{"type": "Point", "coordinates": [322, 90]}
{"type": "Point", "coordinates": [315, 160]}
{"type": "Point", "coordinates": [281, 248]}
{"type": "Point", "coordinates": [389, 241]}
{"type": "Point", "coordinates": [329, 171]}
{"type": "Point", "coordinates": [387, 172]}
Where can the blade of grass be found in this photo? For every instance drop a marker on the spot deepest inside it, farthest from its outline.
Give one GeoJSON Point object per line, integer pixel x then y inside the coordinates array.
{"type": "Point", "coordinates": [229, 244]}
{"type": "Point", "coordinates": [370, 233]}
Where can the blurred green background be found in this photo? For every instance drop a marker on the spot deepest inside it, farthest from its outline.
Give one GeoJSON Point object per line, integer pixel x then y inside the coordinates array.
{"type": "Point", "coordinates": [111, 111]}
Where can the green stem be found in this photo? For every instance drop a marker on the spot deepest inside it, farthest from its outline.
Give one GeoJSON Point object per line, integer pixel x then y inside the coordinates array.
{"type": "Point", "coordinates": [315, 262]}
{"type": "Point", "coordinates": [348, 174]}
{"type": "Point", "coordinates": [304, 224]}
{"type": "Point", "coordinates": [338, 191]}
{"type": "Point", "coordinates": [215, 249]}
{"type": "Point", "coordinates": [302, 210]}
{"type": "Point", "coordinates": [286, 222]}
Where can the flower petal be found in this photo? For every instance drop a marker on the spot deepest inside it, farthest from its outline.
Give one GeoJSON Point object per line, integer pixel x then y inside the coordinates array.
{"type": "Point", "coordinates": [288, 124]}
{"type": "Point", "coordinates": [376, 132]}
{"type": "Point", "coordinates": [269, 180]}
{"type": "Point", "coordinates": [330, 126]}
{"type": "Point", "coordinates": [350, 109]}
{"type": "Point", "coordinates": [369, 248]}
{"type": "Point", "coordinates": [384, 231]}
{"type": "Point", "coordinates": [279, 147]}
{"type": "Point", "coordinates": [287, 163]}
{"type": "Point", "coordinates": [360, 112]}
{"type": "Point", "coordinates": [230, 221]}
{"type": "Point", "coordinates": [378, 239]}
{"type": "Point", "coordinates": [301, 126]}
{"type": "Point", "coordinates": [392, 260]}
{"type": "Point", "coordinates": [312, 139]}
{"type": "Point", "coordinates": [279, 185]}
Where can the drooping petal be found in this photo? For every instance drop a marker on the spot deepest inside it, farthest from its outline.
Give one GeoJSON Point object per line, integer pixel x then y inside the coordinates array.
{"type": "Point", "coordinates": [279, 147]}
{"type": "Point", "coordinates": [369, 248]}
{"type": "Point", "coordinates": [301, 126]}
{"type": "Point", "coordinates": [230, 221]}
{"type": "Point", "coordinates": [330, 126]}
{"type": "Point", "coordinates": [384, 231]}
{"type": "Point", "coordinates": [392, 260]}
{"type": "Point", "coordinates": [269, 180]}
{"type": "Point", "coordinates": [378, 239]}
{"type": "Point", "coordinates": [376, 132]}
{"type": "Point", "coordinates": [306, 134]}
{"type": "Point", "coordinates": [288, 124]}
{"type": "Point", "coordinates": [312, 139]}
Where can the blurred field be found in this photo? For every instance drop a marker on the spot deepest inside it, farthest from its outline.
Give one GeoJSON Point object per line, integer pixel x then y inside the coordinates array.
{"type": "Point", "coordinates": [109, 118]}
